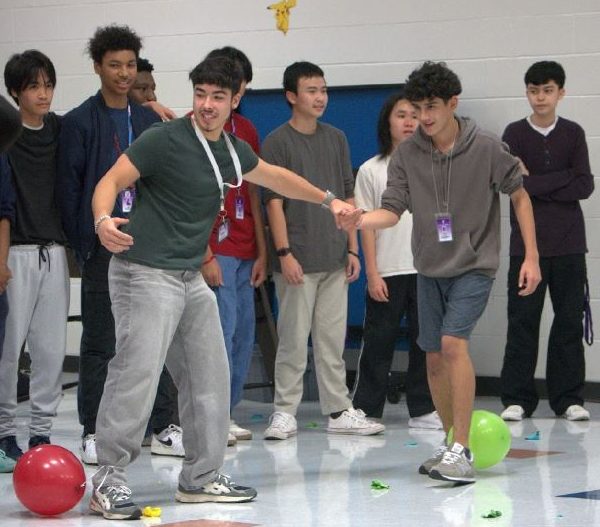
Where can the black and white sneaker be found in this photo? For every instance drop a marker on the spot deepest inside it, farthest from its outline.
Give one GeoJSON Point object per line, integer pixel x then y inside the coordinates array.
{"type": "Point", "coordinates": [114, 503]}
{"type": "Point", "coordinates": [221, 490]}
{"type": "Point", "coordinates": [168, 442]}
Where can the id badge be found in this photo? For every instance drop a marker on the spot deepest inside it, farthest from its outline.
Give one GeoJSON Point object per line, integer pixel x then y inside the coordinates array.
{"type": "Point", "coordinates": [239, 207]}
{"type": "Point", "coordinates": [443, 223]}
{"type": "Point", "coordinates": [127, 197]}
{"type": "Point", "coordinates": [223, 230]}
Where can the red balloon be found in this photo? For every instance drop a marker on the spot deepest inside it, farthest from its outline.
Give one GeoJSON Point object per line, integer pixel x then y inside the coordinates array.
{"type": "Point", "coordinates": [49, 480]}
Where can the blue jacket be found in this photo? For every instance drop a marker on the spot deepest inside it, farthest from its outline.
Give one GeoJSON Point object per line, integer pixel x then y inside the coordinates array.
{"type": "Point", "coordinates": [7, 191]}
{"type": "Point", "coordinates": [86, 152]}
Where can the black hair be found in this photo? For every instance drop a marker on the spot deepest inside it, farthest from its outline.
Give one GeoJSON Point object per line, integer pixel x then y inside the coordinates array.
{"type": "Point", "coordinates": [220, 71]}
{"type": "Point", "coordinates": [23, 68]}
{"type": "Point", "coordinates": [144, 65]}
{"type": "Point", "coordinates": [384, 136]}
{"type": "Point", "coordinates": [545, 71]}
{"type": "Point", "coordinates": [299, 70]}
{"type": "Point", "coordinates": [236, 55]}
{"type": "Point", "coordinates": [432, 79]}
{"type": "Point", "coordinates": [113, 38]}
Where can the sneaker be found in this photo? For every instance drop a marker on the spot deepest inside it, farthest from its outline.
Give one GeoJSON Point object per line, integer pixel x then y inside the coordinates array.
{"type": "Point", "coordinates": [514, 412]}
{"type": "Point", "coordinates": [576, 412]}
{"type": "Point", "coordinates": [437, 456]}
{"type": "Point", "coordinates": [114, 503]}
{"type": "Point", "coordinates": [231, 439]}
{"type": "Point", "coordinates": [353, 421]}
{"type": "Point", "coordinates": [430, 421]}
{"type": "Point", "coordinates": [456, 465]}
{"type": "Point", "coordinates": [7, 464]}
{"type": "Point", "coordinates": [281, 426]}
{"type": "Point", "coordinates": [10, 447]}
{"type": "Point", "coordinates": [241, 434]}
{"type": "Point", "coordinates": [168, 442]}
{"type": "Point", "coordinates": [38, 440]}
{"type": "Point", "coordinates": [87, 451]}
{"type": "Point", "coordinates": [221, 489]}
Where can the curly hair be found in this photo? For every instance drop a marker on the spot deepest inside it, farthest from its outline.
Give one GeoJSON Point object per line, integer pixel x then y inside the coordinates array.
{"type": "Point", "coordinates": [144, 65]}
{"type": "Point", "coordinates": [113, 38]}
{"type": "Point", "coordinates": [432, 79]}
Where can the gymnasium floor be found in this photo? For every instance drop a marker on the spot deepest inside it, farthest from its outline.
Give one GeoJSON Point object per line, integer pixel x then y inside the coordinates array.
{"type": "Point", "coordinates": [320, 480]}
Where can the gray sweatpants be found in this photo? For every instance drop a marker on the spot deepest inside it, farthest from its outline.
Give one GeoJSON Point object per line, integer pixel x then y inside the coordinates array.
{"type": "Point", "coordinates": [163, 315]}
{"type": "Point", "coordinates": [38, 305]}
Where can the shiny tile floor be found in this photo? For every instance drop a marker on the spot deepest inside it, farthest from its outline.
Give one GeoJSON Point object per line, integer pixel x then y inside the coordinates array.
{"type": "Point", "coordinates": [322, 480]}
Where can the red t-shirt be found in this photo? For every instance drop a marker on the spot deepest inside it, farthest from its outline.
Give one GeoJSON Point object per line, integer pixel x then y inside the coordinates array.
{"type": "Point", "coordinates": [241, 241]}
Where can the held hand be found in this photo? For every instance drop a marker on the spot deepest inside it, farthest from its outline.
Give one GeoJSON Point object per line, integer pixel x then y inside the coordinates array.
{"type": "Point", "coordinates": [291, 270]}
{"type": "Point", "coordinates": [112, 238]}
{"type": "Point", "coordinates": [259, 272]}
{"type": "Point", "coordinates": [349, 219]}
{"type": "Point", "coordinates": [377, 288]}
{"type": "Point", "coordinates": [352, 268]}
{"type": "Point", "coordinates": [339, 208]}
{"type": "Point", "coordinates": [529, 277]}
{"type": "Point", "coordinates": [5, 276]}
{"type": "Point", "coordinates": [212, 273]}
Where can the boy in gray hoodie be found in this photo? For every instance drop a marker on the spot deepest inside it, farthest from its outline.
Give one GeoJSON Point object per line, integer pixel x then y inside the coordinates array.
{"type": "Point", "coordinates": [449, 175]}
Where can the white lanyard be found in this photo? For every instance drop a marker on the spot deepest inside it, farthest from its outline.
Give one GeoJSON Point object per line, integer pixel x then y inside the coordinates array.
{"type": "Point", "coordinates": [236, 162]}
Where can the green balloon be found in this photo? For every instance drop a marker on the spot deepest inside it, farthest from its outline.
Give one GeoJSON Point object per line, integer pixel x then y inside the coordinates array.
{"type": "Point", "coordinates": [489, 438]}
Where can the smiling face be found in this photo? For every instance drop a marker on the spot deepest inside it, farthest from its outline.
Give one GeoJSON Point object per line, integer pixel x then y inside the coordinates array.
{"type": "Point", "coordinates": [117, 73]}
{"type": "Point", "coordinates": [311, 98]}
{"type": "Point", "coordinates": [543, 99]}
{"type": "Point", "coordinates": [212, 107]}
{"type": "Point", "coordinates": [436, 116]}
{"type": "Point", "coordinates": [35, 99]}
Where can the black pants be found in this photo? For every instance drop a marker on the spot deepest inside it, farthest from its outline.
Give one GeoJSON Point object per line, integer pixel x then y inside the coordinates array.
{"type": "Point", "coordinates": [98, 348]}
{"type": "Point", "coordinates": [564, 277]}
{"type": "Point", "coordinates": [382, 320]}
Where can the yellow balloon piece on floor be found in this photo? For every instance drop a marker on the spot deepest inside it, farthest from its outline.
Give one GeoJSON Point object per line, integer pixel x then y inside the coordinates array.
{"type": "Point", "coordinates": [152, 512]}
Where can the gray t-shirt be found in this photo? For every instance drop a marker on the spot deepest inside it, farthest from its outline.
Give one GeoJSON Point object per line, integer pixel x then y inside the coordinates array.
{"type": "Point", "coordinates": [323, 158]}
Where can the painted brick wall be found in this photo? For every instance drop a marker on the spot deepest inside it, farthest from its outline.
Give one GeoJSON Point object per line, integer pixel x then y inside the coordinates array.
{"type": "Point", "coordinates": [488, 43]}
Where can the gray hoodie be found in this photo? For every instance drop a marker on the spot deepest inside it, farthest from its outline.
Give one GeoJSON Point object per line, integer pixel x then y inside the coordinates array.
{"type": "Point", "coordinates": [481, 168]}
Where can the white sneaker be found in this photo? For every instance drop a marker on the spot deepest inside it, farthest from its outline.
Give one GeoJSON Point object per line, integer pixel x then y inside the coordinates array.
{"type": "Point", "coordinates": [87, 450]}
{"type": "Point", "coordinates": [168, 442]}
{"type": "Point", "coordinates": [241, 434]}
{"type": "Point", "coordinates": [231, 439]}
{"type": "Point", "coordinates": [353, 421]}
{"type": "Point", "coordinates": [281, 426]}
{"type": "Point", "coordinates": [514, 412]}
{"type": "Point", "coordinates": [576, 412]}
{"type": "Point", "coordinates": [430, 421]}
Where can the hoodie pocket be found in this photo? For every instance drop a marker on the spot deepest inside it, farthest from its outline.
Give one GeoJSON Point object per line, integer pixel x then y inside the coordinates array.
{"type": "Point", "coordinates": [445, 259]}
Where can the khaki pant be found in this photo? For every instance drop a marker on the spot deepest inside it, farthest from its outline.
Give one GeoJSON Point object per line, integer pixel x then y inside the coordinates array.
{"type": "Point", "coordinates": [318, 308]}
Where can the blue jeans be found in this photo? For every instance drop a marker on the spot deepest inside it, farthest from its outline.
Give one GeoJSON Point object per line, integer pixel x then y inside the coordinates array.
{"type": "Point", "coordinates": [236, 310]}
{"type": "Point", "coordinates": [3, 315]}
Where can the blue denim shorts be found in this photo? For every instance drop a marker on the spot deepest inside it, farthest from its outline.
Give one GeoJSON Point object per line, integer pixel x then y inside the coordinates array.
{"type": "Point", "coordinates": [450, 306]}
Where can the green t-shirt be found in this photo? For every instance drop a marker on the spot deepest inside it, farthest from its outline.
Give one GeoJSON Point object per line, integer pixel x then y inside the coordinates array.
{"type": "Point", "coordinates": [177, 195]}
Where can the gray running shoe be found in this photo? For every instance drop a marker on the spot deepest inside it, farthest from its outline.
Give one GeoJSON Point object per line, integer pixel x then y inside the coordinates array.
{"type": "Point", "coordinates": [221, 489]}
{"type": "Point", "coordinates": [437, 456]}
{"type": "Point", "coordinates": [456, 465]}
{"type": "Point", "coordinates": [114, 503]}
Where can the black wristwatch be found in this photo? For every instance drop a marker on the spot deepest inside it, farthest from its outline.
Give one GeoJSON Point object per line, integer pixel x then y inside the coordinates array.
{"type": "Point", "coordinates": [284, 251]}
